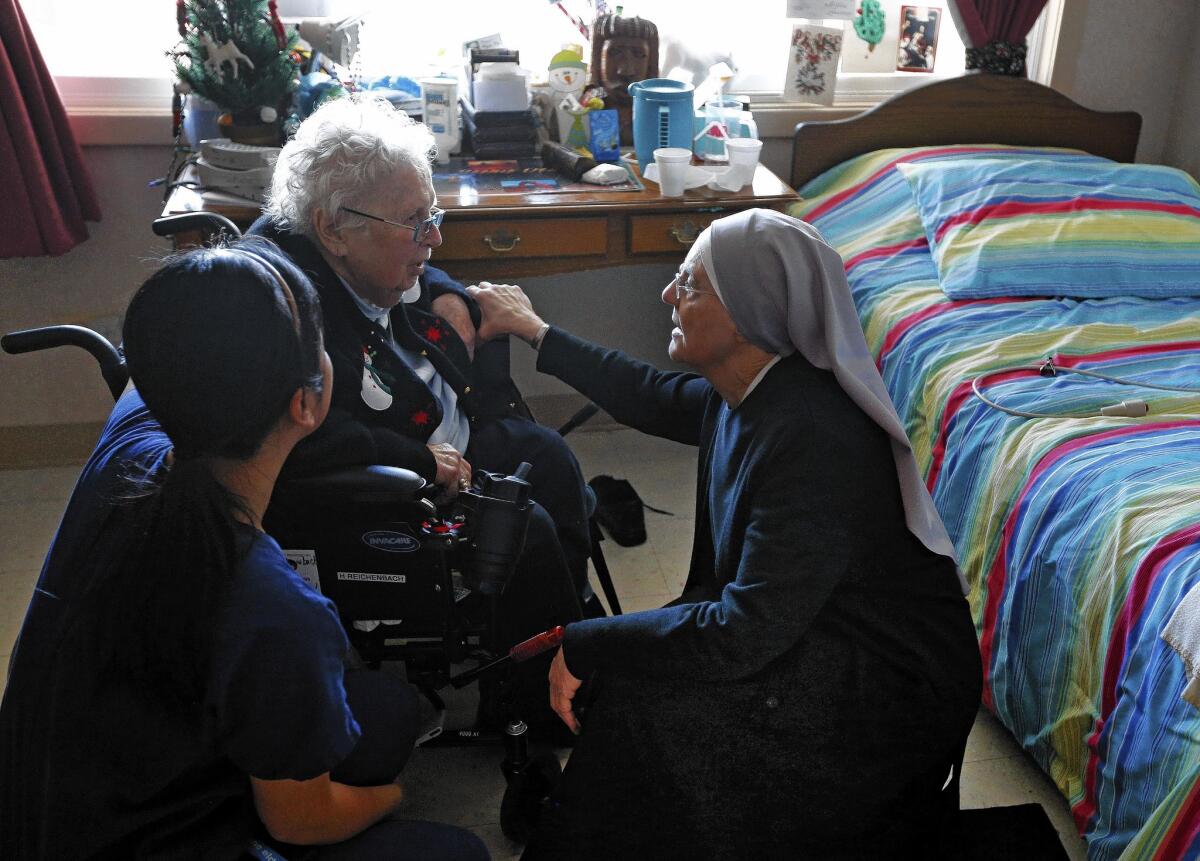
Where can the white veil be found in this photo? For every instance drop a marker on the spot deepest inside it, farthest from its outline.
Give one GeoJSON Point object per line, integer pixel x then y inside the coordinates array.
{"type": "Point", "coordinates": [786, 290]}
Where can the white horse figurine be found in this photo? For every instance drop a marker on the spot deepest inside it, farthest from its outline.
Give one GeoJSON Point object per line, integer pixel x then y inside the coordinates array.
{"type": "Point", "coordinates": [695, 61]}
{"type": "Point", "coordinates": [220, 53]}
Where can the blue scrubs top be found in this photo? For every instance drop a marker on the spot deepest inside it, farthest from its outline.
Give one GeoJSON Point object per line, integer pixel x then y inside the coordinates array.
{"type": "Point", "coordinates": [88, 769]}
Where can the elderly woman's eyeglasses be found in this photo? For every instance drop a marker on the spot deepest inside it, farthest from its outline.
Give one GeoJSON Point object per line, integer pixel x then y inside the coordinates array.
{"type": "Point", "coordinates": [683, 286]}
{"type": "Point", "coordinates": [420, 230]}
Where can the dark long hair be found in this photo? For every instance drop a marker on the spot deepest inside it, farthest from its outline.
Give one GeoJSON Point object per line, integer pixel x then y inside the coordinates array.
{"type": "Point", "coordinates": [217, 341]}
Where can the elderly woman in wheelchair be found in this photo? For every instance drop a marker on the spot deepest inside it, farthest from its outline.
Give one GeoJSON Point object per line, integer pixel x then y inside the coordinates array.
{"type": "Point", "coordinates": [177, 690]}
{"type": "Point", "coordinates": [352, 201]}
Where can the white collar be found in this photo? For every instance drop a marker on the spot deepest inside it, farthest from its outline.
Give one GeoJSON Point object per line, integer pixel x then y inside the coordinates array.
{"type": "Point", "coordinates": [758, 378]}
{"type": "Point", "coordinates": [369, 309]}
{"type": "Point", "coordinates": [412, 294]}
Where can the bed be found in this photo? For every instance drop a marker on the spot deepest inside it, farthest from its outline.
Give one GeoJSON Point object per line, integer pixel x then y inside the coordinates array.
{"type": "Point", "coordinates": [1079, 537]}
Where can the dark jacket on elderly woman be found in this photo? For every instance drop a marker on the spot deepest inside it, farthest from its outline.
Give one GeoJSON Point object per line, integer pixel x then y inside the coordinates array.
{"type": "Point", "coordinates": [357, 433]}
{"type": "Point", "coordinates": [806, 695]}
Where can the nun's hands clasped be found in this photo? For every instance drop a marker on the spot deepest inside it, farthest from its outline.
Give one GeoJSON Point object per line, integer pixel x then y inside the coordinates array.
{"type": "Point", "coordinates": [506, 311]}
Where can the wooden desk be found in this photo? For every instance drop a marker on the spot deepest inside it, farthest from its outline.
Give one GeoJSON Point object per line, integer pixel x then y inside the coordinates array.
{"type": "Point", "coordinates": [520, 235]}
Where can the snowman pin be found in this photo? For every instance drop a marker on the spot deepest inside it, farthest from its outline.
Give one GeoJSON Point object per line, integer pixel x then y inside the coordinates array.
{"type": "Point", "coordinates": [375, 393]}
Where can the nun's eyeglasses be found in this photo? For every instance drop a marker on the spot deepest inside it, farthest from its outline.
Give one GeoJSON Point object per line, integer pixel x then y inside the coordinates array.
{"type": "Point", "coordinates": [420, 230]}
{"type": "Point", "coordinates": [683, 287]}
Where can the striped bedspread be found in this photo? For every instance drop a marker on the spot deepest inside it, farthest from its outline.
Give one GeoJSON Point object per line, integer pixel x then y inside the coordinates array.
{"type": "Point", "coordinates": [1078, 536]}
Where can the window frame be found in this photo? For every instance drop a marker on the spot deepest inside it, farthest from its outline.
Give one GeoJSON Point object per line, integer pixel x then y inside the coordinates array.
{"type": "Point", "coordinates": [137, 110]}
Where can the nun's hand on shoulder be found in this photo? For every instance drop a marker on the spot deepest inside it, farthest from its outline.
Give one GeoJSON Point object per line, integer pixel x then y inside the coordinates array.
{"type": "Point", "coordinates": [506, 311]}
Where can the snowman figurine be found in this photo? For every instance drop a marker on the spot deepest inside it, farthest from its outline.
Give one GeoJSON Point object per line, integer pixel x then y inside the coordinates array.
{"type": "Point", "coordinates": [375, 393]}
{"type": "Point", "coordinates": [568, 73]}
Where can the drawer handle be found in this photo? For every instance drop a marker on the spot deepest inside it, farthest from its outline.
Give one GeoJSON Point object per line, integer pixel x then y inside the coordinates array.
{"type": "Point", "coordinates": [686, 233]}
{"type": "Point", "coordinates": [502, 241]}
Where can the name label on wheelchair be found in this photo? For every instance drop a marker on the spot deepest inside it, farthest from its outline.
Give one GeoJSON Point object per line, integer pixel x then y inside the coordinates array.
{"type": "Point", "coordinates": [392, 542]}
{"type": "Point", "coordinates": [372, 578]}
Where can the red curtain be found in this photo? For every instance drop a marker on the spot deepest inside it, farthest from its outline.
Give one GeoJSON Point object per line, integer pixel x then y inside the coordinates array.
{"type": "Point", "coordinates": [46, 193]}
{"type": "Point", "coordinates": [994, 32]}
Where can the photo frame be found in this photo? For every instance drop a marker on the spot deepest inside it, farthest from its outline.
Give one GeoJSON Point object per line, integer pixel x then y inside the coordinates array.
{"type": "Point", "coordinates": [917, 48]}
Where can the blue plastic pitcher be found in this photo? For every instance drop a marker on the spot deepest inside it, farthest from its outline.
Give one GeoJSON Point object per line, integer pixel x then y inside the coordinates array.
{"type": "Point", "coordinates": [662, 116]}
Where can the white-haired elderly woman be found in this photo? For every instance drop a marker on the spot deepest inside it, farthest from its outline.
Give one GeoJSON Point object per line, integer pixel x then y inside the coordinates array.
{"type": "Point", "coordinates": [810, 691]}
{"type": "Point", "coordinates": [352, 202]}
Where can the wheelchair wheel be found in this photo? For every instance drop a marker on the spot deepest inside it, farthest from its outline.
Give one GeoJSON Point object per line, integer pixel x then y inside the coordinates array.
{"type": "Point", "coordinates": [527, 790]}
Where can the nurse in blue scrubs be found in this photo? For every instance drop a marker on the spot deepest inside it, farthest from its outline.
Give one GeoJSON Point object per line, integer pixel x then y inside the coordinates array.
{"type": "Point", "coordinates": [177, 691]}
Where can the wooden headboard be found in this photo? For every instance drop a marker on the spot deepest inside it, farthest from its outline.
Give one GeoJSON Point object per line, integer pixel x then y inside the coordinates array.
{"type": "Point", "coordinates": [973, 109]}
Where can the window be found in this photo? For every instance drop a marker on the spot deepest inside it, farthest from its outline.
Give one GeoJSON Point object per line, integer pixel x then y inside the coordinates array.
{"type": "Point", "coordinates": [117, 62]}
{"type": "Point", "coordinates": [754, 41]}
{"type": "Point", "coordinates": [105, 58]}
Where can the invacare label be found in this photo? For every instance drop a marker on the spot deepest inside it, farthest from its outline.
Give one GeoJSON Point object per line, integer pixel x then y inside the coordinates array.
{"type": "Point", "coordinates": [372, 578]}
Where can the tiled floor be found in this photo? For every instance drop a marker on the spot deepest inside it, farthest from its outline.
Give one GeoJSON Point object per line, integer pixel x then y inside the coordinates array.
{"type": "Point", "coordinates": [465, 786]}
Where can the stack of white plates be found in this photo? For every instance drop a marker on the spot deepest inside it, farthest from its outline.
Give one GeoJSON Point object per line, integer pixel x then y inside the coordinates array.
{"type": "Point", "coordinates": [237, 169]}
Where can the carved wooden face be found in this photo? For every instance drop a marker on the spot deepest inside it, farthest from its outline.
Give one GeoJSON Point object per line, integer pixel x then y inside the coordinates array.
{"type": "Point", "coordinates": [623, 60]}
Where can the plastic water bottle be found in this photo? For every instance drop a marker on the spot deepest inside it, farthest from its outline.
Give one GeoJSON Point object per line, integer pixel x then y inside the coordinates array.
{"type": "Point", "coordinates": [439, 106]}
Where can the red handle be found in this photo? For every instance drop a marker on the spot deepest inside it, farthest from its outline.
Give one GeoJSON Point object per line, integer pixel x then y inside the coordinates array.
{"type": "Point", "coordinates": [537, 644]}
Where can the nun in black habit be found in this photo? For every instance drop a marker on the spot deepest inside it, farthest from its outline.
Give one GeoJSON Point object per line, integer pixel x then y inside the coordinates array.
{"type": "Point", "coordinates": [811, 691]}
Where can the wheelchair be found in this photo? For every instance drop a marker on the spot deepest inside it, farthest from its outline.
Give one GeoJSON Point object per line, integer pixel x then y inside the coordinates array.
{"type": "Point", "coordinates": [194, 228]}
{"type": "Point", "coordinates": [413, 581]}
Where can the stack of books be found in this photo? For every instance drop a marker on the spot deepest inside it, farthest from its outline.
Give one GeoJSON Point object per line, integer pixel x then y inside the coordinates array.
{"type": "Point", "coordinates": [501, 134]}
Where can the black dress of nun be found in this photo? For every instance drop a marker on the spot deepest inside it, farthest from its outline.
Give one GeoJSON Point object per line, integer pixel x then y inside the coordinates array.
{"type": "Point", "coordinates": [809, 692]}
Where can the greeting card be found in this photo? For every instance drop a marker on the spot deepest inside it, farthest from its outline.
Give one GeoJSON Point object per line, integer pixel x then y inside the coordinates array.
{"type": "Point", "coordinates": [812, 64]}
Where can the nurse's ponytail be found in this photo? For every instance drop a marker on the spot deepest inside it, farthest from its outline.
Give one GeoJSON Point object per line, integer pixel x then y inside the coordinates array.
{"type": "Point", "coordinates": [217, 342]}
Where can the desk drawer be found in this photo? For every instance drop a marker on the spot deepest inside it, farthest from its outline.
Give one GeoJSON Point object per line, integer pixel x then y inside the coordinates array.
{"type": "Point", "coordinates": [533, 237]}
{"type": "Point", "coordinates": [656, 234]}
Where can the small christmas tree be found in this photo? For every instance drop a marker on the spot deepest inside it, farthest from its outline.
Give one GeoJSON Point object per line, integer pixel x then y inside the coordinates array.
{"type": "Point", "coordinates": [236, 54]}
{"type": "Point", "coordinates": [869, 23]}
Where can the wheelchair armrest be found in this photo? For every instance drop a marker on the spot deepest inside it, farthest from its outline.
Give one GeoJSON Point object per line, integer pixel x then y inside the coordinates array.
{"type": "Point", "coordinates": [112, 363]}
{"type": "Point", "coordinates": [359, 484]}
{"type": "Point", "coordinates": [209, 224]}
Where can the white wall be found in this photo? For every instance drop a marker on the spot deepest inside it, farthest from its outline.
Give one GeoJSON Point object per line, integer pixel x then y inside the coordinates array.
{"type": "Point", "coordinates": [1114, 55]}
{"type": "Point", "coordinates": [619, 307]}
{"type": "Point", "coordinates": [1182, 147]}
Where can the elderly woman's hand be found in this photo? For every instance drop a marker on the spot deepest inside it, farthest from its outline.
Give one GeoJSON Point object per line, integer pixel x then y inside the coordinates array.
{"type": "Point", "coordinates": [454, 311]}
{"type": "Point", "coordinates": [506, 311]}
{"type": "Point", "coordinates": [453, 470]}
